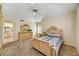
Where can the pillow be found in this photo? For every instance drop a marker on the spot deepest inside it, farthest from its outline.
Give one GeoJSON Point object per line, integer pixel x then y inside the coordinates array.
{"type": "Point", "coordinates": [50, 34]}
{"type": "Point", "coordinates": [56, 35]}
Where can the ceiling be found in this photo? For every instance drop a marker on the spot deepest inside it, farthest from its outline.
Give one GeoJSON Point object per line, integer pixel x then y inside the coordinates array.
{"type": "Point", "coordinates": [22, 10]}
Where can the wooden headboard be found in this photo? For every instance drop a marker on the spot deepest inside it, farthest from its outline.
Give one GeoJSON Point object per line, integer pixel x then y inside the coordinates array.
{"type": "Point", "coordinates": [54, 29]}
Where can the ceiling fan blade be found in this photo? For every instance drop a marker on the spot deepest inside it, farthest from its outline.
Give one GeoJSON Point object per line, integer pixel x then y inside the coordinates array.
{"type": "Point", "coordinates": [32, 7]}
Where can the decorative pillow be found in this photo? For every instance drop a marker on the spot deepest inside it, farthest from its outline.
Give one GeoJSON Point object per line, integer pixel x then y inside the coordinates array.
{"type": "Point", "coordinates": [57, 35]}
{"type": "Point", "coordinates": [50, 34]}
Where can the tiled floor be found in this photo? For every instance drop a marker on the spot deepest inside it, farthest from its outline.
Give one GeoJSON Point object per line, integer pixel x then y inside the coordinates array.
{"type": "Point", "coordinates": [23, 49]}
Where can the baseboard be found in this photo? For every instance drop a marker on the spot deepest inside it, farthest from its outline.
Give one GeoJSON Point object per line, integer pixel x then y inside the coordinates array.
{"type": "Point", "coordinates": [69, 45]}
{"type": "Point", "coordinates": [64, 43]}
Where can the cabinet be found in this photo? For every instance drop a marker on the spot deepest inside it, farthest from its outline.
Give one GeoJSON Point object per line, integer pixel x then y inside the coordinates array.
{"type": "Point", "coordinates": [25, 32]}
{"type": "Point", "coordinates": [24, 35]}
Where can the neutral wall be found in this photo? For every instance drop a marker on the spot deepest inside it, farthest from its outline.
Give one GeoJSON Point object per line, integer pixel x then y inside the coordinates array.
{"type": "Point", "coordinates": [17, 27]}
{"type": "Point", "coordinates": [77, 46]}
{"type": "Point", "coordinates": [17, 24]}
{"type": "Point", "coordinates": [1, 25]}
{"type": "Point", "coordinates": [67, 23]}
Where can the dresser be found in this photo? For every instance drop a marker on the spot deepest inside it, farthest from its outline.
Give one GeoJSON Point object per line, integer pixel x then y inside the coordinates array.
{"type": "Point", "coordinates": [24, 35]}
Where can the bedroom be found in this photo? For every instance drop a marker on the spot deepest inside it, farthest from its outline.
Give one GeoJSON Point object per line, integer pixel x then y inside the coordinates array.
{"type": "Point", "coordinates": [63, 16]}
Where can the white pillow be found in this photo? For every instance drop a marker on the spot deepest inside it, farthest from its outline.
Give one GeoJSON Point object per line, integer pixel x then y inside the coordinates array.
{"type": "Point", "coordinates": [58, 35]}
{"type": "Point", "coordinates": [50, 34]}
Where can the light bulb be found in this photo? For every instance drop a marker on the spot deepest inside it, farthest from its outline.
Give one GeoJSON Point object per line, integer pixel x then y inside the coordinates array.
{"type": "Point", "coordinates": [34, 13]}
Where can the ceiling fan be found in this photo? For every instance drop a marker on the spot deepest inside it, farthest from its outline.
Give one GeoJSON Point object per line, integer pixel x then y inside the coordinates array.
{"type": "Point", "coordinates": [35, 12]}
{"type": "Point", "coordinates": [35, 9]}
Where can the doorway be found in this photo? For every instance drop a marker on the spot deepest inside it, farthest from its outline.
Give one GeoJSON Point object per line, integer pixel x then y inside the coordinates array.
{"type": "Point", "coordinates": [8, 32]}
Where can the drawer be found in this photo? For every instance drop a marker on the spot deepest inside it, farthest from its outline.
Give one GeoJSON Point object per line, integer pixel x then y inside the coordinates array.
{"type": "Point", "coordinates": [25, 35]}
{"type": "Point", "coordinates": [22, 36]}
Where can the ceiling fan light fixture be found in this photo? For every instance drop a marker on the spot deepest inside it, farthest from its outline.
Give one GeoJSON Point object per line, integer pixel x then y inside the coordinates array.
{"type": "Point", "coordinates": [21, 20]}
{"type": "Point", "coordinates": [35, 15]}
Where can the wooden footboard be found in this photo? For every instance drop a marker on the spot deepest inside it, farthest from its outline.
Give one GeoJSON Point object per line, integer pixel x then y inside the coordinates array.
{"type": "Point", "coordinates": [43, 47]}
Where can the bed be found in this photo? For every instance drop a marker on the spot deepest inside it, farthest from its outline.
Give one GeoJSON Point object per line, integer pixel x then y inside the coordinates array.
{"type": "Point", "coordinates": [50, 42]}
